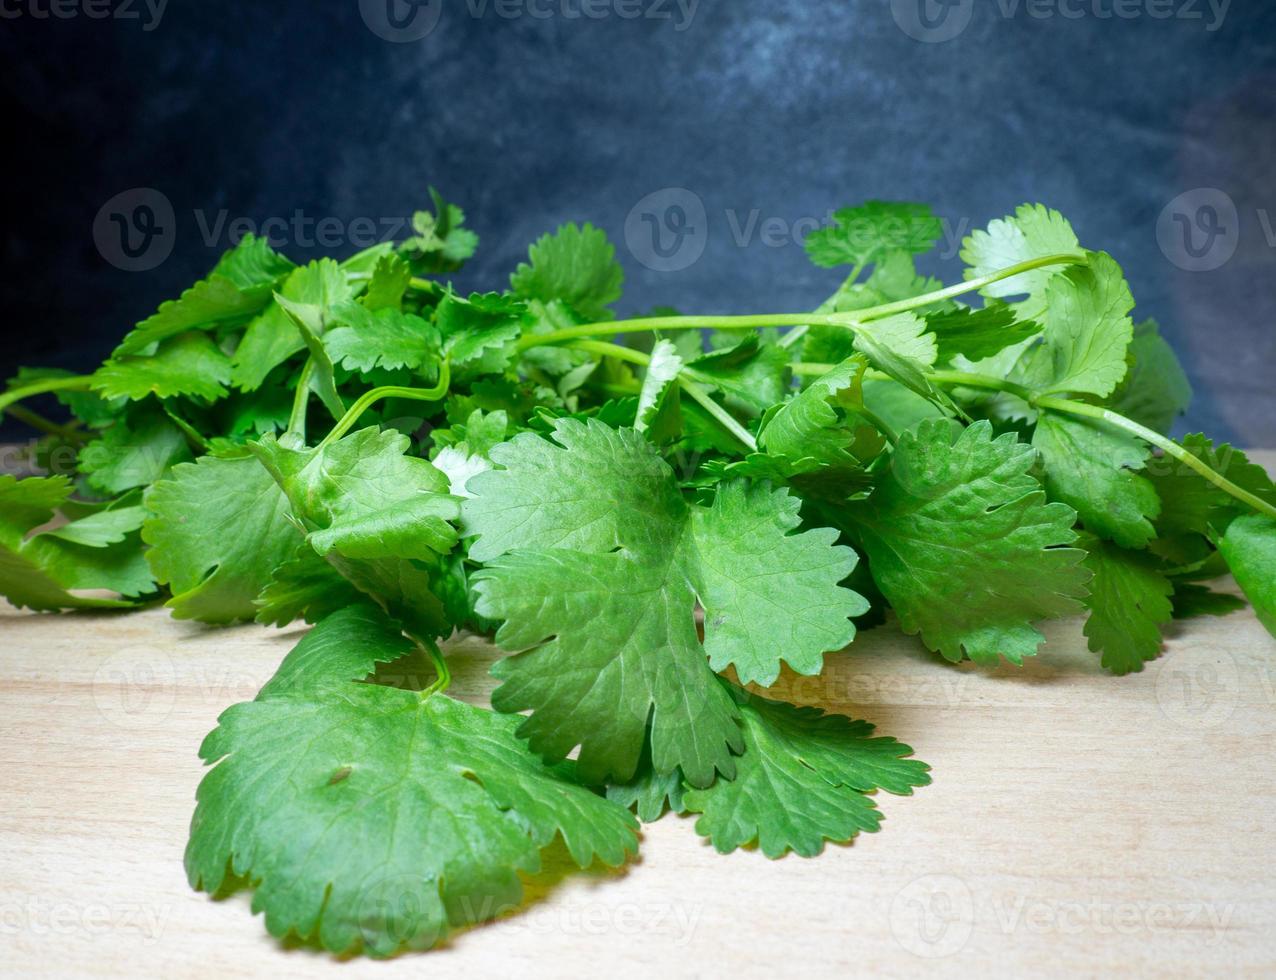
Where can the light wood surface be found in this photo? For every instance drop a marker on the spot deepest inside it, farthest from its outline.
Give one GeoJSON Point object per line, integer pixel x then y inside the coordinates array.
{"type": "Point", "coordinates": [1078, 823]}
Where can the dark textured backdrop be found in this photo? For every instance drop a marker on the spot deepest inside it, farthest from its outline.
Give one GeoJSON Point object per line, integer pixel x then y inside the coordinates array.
{"type": "Point", "coordinates": [766, 114]}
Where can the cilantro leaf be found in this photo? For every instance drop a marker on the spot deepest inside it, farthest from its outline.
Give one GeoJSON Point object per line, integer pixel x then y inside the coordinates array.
{"type": "Point", "coordinates": [1129, 602]}
{"type": "Point", "coordinates": [188, 364]}
{"type": "Point", "coordinates": [818, 425]}
{"type": "Point", "coordinates": [1032, 232]}
{"type": "Point", "coordinates": [238, 287]}
{"type": "Point", "coordinates": [961, 540]}
{"type": "Point", "coordinates": [549, 524]}
{"type": "Point", "coordinates": [1087, 330]}
{"type": "Point", "coordinates": [1191, 600]}
{"type": "Point", "coordinates": [370, 816]}
{"type": "Point", "coordinates": [803, 779]}
{"type": "Point", "coordinates": [977, 334]}
{"type": "Point", "coordinates": [751, 375]}
{"type": "Point", "coordinates": [658, 400]}
{"type": "Point", "coordinates": [576, 265]}
{"type": "Point", "coordinates": [389, 281]}
{"type": "Point", "coordinates": [273, 337]}
{"type": "Point", "coordinates": [134, 452]}
{"type": "Point", "coordinates": [372, 512]}
{"type": "Point", "coordinates": [1155, 391]}
{"type": "Point", "coordinates": [45, 570]}
{"type": "Point", "coordinates": [441, 243]}
{"type": "Point", "coordinates": [1249, 547]}
{"type": "Point", "coordinates": [219, 528]}
{"type": "Point", "coordinates": [1090, 467]}
{"type": "Point", "coordinates": [481, 330]}
{"type": "Point", "coordinates": [1192, 505]}
{"type": "Point", "coordinates": [306, 587]}
{"type": "Point", "coordinates": [861, 235]}
{"type": "Point", "coordinates": [361, 339]}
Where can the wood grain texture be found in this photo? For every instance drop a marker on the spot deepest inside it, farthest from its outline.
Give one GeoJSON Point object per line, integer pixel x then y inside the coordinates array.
{"type": "Point", "coordinates": [1078, 823]}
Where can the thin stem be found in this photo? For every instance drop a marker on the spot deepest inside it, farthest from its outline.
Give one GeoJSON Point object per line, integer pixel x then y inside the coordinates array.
{"type": "Point", "coordinates": [370, 398]}
{"type": "Point", "coordinates": [78, 382]}
{"type": "Point", "coordinates": [612, 328]}
{"type": "Point", "coordinates": [300, 402]}
{"type": "Point", "coordinates": [1067, 406]}
{"type": "Point", "coordinates": [969, 286]}
{"type": "Point", "coordinates": [750, 322]}
{"type": "Point", "coordinates": [1169, 446]}
{"type": "Point", "coordinates": [443, 680]}
{"type": "Point", "coordinates": [724, 418]}
{"type": "Point", "coordinates": [423, 285]}
{"type": "Point", "coordinates": [962, 379]}
{"type": "Point", "coordinates": [38, 421]}
{"type": "Point", "coordinates": [688, 380]}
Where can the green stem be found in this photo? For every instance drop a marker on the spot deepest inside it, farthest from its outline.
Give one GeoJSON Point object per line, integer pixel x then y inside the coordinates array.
{"type": "Point", "coordinates": [443, 680]}
{"type": "Point", "coordinates": [300, 402]}
{"type": "Point", "coordinates": [370, 398]}
{"type": "Point", "coordinates": [1169, 446]}
{"type": "Point", "coordinates": [38, 421]}
{"type": "Point", "coordinates": [79, 382]}
{"type": "Point", "coordinates": [1068, 406]}
{"type": "Point", "coordinates": [688, 380]}
{"type": "Point", "coordinates": [750, 322]}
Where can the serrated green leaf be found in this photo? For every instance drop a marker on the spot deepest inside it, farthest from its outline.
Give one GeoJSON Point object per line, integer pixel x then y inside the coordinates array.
{"type": "Point", "coordinates": [273, 337]}
{"type": "Point", "coordinates": [189, 364]}
{"type": "Point", "coordinates": [1156, 391]}
{"type": "Point", "coordinates": [608, 635]}
{"type": "Point", "coordinates": [441, 243]}
{"type": "Point", "coordinates": [1129, 602]}
{"type": "Point", "coordinates": [238, 287]}
{"type": "Point", "coordinates": [135, 451]}
{"type": "Point", "coordinates": [44, 571]}
{"type": "Point", "coordinates": [576, 265]}
{"type": "Point", "coordinates": [978, 334]}
{"type": "Point", "coordinates": [961, 540]}
{"type": "Point", "coordinates": [360, 339]}
{"type": "Point", "coordinates": [370, 816]}
{"type": "Point", "coordinates": [373, 513]}
{"type": "Point", "coordinates": [658, 400]}
{"type": "Point", "coordinates": [1092, 467]}
{"type": "Point", "coordinates": [1086, 331]}
{"type": "Point", "coordinates": [861, 235]}
{"type": "Point", "coordinates": [387, 285]}
{"type": "Point", "coordinates": [1034, 231]}
{"type": "Point", "coordinates": [481, 330]}
{"type": "Point", "coordinates": [219, 530]}
{"type": "Point", "coordinates": [804, 778]}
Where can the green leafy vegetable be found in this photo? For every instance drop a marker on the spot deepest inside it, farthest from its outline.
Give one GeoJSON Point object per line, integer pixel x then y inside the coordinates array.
{"type": "Point", "coordinates": [655, 517]}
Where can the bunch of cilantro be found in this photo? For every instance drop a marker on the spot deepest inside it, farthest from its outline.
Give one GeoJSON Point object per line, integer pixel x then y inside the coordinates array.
{"type": "Point", "coordinates": [654, 517]}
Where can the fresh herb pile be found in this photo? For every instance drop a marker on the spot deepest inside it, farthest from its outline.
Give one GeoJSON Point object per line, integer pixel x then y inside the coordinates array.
{"type": "Point", "coordinates": [653, 530]}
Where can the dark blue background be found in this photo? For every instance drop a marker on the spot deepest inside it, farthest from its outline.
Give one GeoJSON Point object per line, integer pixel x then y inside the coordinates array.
{"type": "Point", "coordinates": [770, 110]}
